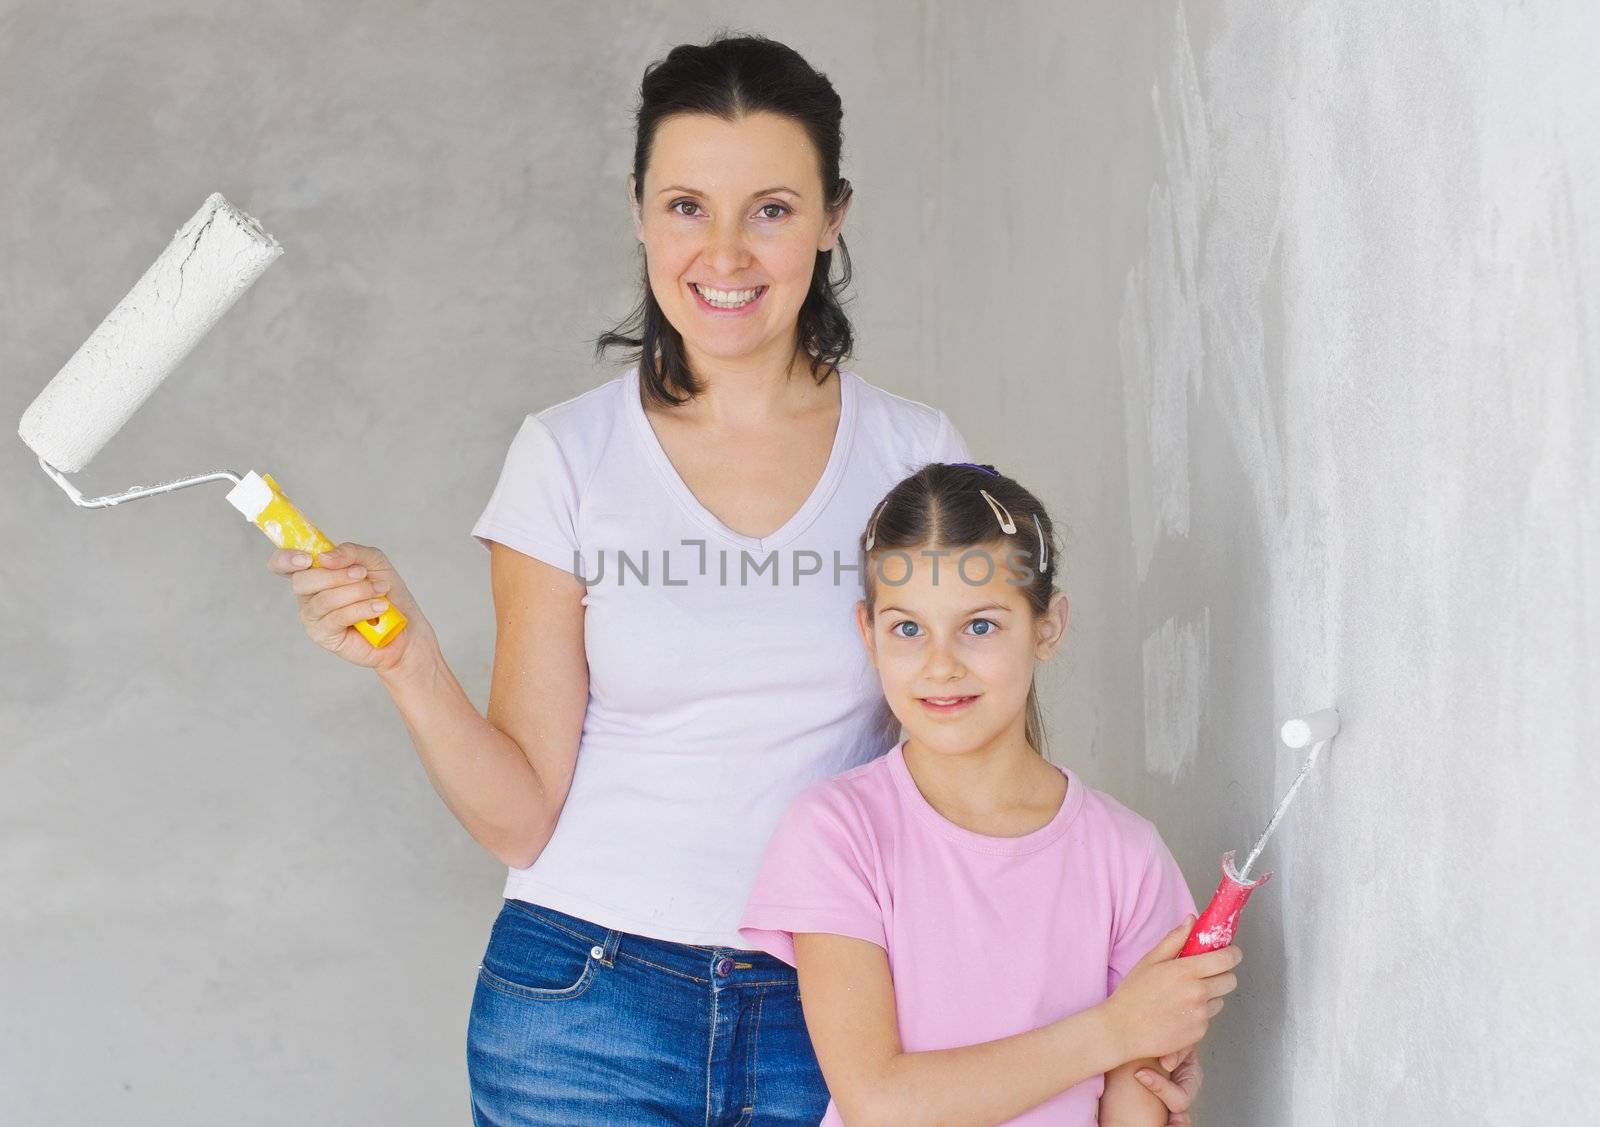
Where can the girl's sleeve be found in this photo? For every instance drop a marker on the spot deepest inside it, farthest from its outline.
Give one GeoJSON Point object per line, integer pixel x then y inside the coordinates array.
{"type": "Point", "coordinates": [1154, 902]}
{"type": "Point", "coordinates": [534, 506]}
{"type": "Point", "coordinates": [948, 445]}
{"type": "Point", "coordinates": [816, 875]}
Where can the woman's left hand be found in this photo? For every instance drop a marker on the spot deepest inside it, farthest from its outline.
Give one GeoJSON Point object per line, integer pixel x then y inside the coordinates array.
{"type": "Point", "coordinates": [1179, 1092]}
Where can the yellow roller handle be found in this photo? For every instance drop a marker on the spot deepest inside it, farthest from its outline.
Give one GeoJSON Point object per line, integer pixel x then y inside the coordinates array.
{"type": "Point", "coordinates": [287, 527]}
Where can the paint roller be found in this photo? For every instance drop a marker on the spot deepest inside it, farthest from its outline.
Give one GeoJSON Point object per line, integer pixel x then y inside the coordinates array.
{"type": "Point", "coordinates": [211, 261]}
{"type": "Point", "coordinates": [1216, 926]}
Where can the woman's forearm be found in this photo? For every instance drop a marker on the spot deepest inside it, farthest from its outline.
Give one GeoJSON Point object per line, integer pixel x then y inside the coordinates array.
{"type": "Point", "coordinates": [996, 1080]}
{"type": "Point", "coordinates": [484, 778]}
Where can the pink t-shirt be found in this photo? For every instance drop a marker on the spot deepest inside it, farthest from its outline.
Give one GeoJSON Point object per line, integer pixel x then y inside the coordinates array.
{"type": "Point", "coordinates": [986, 936]}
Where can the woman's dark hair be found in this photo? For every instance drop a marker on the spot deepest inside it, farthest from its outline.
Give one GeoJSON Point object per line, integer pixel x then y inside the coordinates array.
{"type": "Point", "coordinates": [728, 77]}
{"type": "Point", "coordinates": [940, 507]}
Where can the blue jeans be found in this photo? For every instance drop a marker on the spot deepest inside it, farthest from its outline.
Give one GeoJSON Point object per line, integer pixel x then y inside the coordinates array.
{"type": "Point", "coordinates": [576, 1024]}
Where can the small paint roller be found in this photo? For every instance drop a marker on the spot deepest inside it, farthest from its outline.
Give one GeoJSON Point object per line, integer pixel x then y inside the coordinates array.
{"type": "Point", "coordinates": [1216, 926]}
{"type": "Point", "coordinates": [211, 261]}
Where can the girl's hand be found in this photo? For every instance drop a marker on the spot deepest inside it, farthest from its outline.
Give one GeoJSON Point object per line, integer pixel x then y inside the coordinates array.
{"type": "Point", "coordinates": [1180, 1091]}
{"type": "Point", "coordinates": [1165, 1004]}
{"type": "Point", "coordinates": [340, 592]}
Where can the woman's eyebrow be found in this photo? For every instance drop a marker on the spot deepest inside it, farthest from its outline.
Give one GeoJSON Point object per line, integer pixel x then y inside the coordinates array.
{"type": "Point", "coordinates": [773, 191]}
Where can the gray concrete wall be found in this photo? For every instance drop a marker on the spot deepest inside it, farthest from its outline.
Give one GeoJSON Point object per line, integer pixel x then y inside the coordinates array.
{"type": "Point", "coordinates": [1302, 337]}
{"type": "Point", "coordinates": [1287, 310]}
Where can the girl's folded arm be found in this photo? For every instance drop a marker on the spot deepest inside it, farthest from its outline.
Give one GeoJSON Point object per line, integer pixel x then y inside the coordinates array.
{"type": "Point", "coordinates": [1128, 1103]}
{"type": "Point", "coordinates": [847, 995]}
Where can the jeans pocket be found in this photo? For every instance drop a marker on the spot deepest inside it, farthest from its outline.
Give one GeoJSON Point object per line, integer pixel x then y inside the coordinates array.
{"type": "Point", "coordinates": [530, 957]}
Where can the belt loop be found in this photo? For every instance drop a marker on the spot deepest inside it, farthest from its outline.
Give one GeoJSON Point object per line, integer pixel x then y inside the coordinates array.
{"type": "Point", "coordinates": [613, 940]}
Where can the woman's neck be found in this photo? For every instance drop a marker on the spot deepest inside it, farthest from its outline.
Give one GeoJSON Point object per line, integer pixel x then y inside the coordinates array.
{"type": "Point", "coordinates": [751, 390]}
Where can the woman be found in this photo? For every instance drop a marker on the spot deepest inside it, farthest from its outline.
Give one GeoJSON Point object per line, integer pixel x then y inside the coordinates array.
{"type": "Point", "coordinates": [674, 563]}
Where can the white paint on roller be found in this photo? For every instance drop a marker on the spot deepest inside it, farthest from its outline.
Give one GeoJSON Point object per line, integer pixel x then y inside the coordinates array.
{"type": "Point", "coordinates": [211, 261]}
{"type": "Point", "coordinates": [1315, 728]}
{"type": "Point", "coordinates": [250, 496]}
{"type": "Point", "coordinates": [1176, 662]}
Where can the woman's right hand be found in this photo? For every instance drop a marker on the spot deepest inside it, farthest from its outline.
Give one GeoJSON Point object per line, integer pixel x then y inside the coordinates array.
{"type": "Point", "coordinates": [341, 591]}
{"type": "Point", "coordinates": [1166, 1003]}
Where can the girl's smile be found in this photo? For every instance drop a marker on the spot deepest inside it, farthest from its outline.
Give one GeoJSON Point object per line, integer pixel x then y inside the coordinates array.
{"type": "Point", "coordinates": [947, 706]}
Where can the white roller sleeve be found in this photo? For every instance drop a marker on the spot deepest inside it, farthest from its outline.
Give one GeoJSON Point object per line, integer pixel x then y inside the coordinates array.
{"type": "Point", "coordinates": [210, 262]}
{"type": "Point", "coordinates": [250, 496]}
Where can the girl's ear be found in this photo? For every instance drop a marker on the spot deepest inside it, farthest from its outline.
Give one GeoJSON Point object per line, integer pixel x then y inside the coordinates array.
{"type": "Point", "coordinates": [864, 627]}
{"type": "Point", "coordinates": [1050, 628]}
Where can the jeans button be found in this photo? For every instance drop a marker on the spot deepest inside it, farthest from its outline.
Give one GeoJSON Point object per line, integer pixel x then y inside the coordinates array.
{"type": "Point", "coordinates": [597, 952]}
{"type": "Point", "coordinates": [724, 965]}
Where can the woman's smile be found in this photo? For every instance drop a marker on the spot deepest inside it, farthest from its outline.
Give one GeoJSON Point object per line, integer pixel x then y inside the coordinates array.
{"type": "Point", "coordinates": [727, 303]}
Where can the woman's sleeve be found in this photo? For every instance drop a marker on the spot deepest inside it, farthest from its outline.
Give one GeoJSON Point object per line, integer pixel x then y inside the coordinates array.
{"type": "Point", "coordinates": [534, 506]}
{"type": "Point", "coordinates": [816, 875]}
{"type": "Point", "coordinates": [1152, 904]}
{"type": "Point", "coordinates": [948, 445]}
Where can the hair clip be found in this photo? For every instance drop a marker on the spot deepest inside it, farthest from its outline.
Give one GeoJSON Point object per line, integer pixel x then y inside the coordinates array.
{"type": "Point", "coordinates": [1009, 526]}
{"type": "Point", "coordinates": [1001, 513]}
{"type": "Point", "coordinates": [872, 525]}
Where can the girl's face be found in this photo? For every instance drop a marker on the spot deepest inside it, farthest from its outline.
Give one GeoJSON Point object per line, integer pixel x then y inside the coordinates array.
{"type": "Point", "coordinates": [732, 218]}
{"type": "Point", "coordinates": [956, 656]}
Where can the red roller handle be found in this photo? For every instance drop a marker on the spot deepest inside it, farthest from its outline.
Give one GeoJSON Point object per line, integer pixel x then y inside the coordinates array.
{"type": "Point", "coordinates": [1216, 925]}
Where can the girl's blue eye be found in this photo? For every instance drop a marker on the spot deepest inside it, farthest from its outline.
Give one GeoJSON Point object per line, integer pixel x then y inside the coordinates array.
{"type": "Point", "coordinates": [989, 622]}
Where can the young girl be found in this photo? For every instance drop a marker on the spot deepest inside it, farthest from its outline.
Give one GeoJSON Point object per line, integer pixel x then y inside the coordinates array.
{"type": "Point", "coordinates": [979, 937]}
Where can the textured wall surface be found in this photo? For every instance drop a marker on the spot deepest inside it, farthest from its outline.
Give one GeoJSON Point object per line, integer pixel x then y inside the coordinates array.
{"type": "Point", "coordinates": [1360, 351]}
{"type": "Point", "coordinates": [1288, 310]}
{"type": "Point", "coordinates": [1302, 303]}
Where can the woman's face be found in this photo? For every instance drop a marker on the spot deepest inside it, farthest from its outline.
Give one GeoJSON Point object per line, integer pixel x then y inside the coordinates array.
{"type": "Point", "coordinates": [732, 218]}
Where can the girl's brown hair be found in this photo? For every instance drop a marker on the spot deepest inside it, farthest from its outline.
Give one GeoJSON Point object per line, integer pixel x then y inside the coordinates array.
{"type": "Point", "coordinates": [940, 507]}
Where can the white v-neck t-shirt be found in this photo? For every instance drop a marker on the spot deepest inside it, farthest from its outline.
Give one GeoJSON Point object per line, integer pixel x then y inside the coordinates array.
{"type": "Point", "coordinates": [725, 671]}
